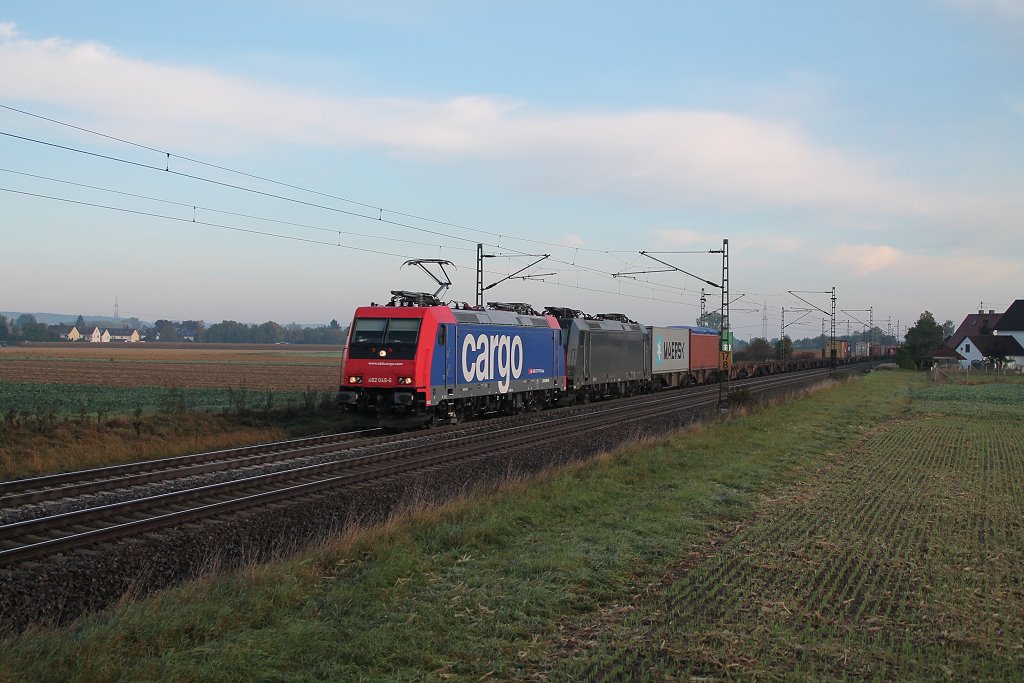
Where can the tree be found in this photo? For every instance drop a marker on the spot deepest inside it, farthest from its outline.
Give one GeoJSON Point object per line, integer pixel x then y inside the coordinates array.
{"type": "Point", "coordinates": [23, 321]}
{"type": "Point", "coordinates": [712, 319]}
{"type": "Point", "coordinates": [784, 348]}
{"type": "Point", "coordinates": [760, 349]}
{"type": "Point", "coordinates": [5, 329]}
{"type": "Point", "coordinates": [270, 333]}
{"type": "Point", "coordinates": [923, 338]}
{"type": "Point", "coordinates": [192, 328]}
{"type": "Point", "coordinates": [80, 323]}
{"type": "Point", "coordinates": [904, 359]}
{"type": "Point", "coordinates": [165, 330]}
{"type": "Point", "coordinates": [948, 328]}
{"type": "Point", "coordinates": [229, 331]}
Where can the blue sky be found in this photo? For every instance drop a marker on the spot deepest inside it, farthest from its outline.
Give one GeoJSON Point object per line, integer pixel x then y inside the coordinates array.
{"type": "Point", "coordinates": [870, 146]}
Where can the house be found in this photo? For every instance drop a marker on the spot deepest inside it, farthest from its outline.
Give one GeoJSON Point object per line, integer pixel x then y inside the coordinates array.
{"type": "Point", "coordinates": [96, 336]}
{"type": "Point", "coordinates": [66, 332]}
{"type": "Point", "coordinates": [982, 347]}
{"type": "Point", "coordinates": [974, 324]}
{"type": "Point", "coordinates": [123, 335]}
{"type": "Point", "coordinates": [1012, 322]}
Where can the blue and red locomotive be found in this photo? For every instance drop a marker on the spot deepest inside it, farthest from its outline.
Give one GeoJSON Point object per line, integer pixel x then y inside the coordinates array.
{"type": "Point", "coordinates": [417, 361]}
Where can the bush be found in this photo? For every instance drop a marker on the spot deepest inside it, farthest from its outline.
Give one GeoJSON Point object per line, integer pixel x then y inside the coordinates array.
{"type": "Point", "coordinates": [740, 397]}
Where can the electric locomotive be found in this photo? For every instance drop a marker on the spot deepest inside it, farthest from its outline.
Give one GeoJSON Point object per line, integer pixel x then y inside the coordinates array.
{"type": "Point", "coordinates": [417, 361]}
{"type": "Point", "coordinates": [606, 355]}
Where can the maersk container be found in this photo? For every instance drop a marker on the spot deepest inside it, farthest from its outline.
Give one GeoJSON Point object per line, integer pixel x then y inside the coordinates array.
{"type": "Point", "coordinates": [670, 355]}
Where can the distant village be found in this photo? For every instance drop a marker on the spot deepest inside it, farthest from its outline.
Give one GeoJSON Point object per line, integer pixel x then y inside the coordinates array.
{"type": "Point", "coordinates": [25, 328]}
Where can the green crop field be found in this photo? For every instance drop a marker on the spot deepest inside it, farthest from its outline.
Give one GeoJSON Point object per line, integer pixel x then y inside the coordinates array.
{"type": "Point", "coordinates": [870, 531]}
{"type": "Point", "coordinates": [22, 399]}
{"type": "Point", "coordinates": [902, 559]}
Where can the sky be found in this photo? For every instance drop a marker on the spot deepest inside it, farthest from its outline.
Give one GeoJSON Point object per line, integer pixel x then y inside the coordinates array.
{"type": "Point", "coordinates": [281, 160]}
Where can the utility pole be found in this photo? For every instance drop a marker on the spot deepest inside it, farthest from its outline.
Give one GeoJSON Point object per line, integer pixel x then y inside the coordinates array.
{"type": "Point", "coordinates": [832, 353]}
{"type": "Point", "coordinates": [725, 341]}
{"type": "Point", "coordinates": [764, 320]}
{"type": "Point", "coordinates": [703, 305]}
{"type": "Point", "coordinates": [480, 256]}
{"type": "Point", "coordinates": [479, 275]}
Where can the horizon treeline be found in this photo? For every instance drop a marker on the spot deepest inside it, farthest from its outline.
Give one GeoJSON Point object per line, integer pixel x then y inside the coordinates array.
{"type": "Point", "coordinates": [26, 328]}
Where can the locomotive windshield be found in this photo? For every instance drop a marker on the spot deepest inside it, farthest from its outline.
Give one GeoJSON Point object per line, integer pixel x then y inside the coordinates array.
{"type": "Point", "coordinates": [369, 330]}
{"type": "Point", "coordinates": [370, 335]}
{"type": "Point", "coordinates": [402, 330]}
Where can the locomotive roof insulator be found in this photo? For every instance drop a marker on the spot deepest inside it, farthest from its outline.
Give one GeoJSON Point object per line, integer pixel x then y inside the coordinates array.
{"type": "Point", "coordinates": [401, 297]}
{"type": "Point", "coordinates": [520, 308]}
{"type": "Point", "coordinates": [617, 317]}
{"type": "Point", "coordinates": [565, 312]}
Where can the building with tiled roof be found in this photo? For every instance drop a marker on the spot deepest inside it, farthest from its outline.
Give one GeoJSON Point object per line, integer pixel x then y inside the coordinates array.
{"type": "Point", "coordinates": [974, 324]}
{"type": "Point", "coordinates": [66, 332]}
{"type": "Point", "coordinates": [989, 347]}
{"type": "Point", "coordinates": [1012, 322]}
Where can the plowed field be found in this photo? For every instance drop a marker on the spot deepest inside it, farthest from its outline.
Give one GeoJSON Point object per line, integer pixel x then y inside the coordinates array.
{"type": "Point", "coordinates": [275, 368]}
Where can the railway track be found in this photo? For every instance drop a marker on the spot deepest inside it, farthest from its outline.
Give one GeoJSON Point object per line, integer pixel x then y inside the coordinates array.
{"type": "Point", "coordinates": [67, 484]}
{"type": "Point", "coordinates": [32, 539]}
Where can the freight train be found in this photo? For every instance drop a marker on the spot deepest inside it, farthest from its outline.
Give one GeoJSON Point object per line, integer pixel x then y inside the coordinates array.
{"type": "Point", "coordinates": [419, 362]}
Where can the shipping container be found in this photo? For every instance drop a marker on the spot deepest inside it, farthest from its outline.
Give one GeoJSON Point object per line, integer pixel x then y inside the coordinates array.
{"type": "Point", "coordinates": [841, 346]}
{"type": "Point", "coordinates": [670, 349]}
{"type": "Point", "coordinates": [704, 351]}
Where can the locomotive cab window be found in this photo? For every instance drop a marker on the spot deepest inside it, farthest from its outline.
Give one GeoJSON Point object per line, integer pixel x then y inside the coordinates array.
{"type": "Point", "coordinates": [442, 335]}
{"type": "Point", "coordinates": [369, 330]}
{"type": "Point", "coordinates": [403, 330]}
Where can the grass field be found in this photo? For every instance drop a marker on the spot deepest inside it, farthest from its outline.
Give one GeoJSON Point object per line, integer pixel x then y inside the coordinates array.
{"type": "Point", "coordinates": [858, 533]}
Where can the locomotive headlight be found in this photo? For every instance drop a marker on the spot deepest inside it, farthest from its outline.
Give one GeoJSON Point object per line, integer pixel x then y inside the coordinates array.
{"type": "Point", "coordinates": [355, 379]}
{"type": "Point", "coordinates": [382, 353]}
{"type": "Point", "coordinates": [405, 380]}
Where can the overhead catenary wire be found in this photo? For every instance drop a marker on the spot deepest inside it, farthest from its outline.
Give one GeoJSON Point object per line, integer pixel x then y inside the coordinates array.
{"type": "Point", "coordinates": [335, 231]}
{"type": "Point", "coordinates": [265, 233]}
{"type": "Point", "coordinates": [272, 195]}
{"type": "Point", "coordinates": [575, 266]}
{"type": "Point", "coordinates": [380, 209]}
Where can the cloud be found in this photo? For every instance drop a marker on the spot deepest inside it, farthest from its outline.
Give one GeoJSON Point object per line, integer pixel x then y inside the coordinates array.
{"type": "Point", "coordinates": [667, 157]}
{"type": "Point", "coordinates": [571, 240]}
{"type": "Point", "coordinates": [864, 259]}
